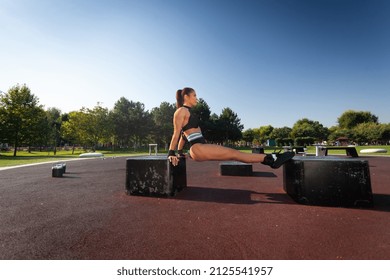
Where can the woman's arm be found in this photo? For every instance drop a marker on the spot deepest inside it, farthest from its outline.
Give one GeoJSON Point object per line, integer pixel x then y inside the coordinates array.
{"type": "Point", "coordinates": [177, 125]}
{"type": "Point", "coordinates": [178, 119]}
{"type": "Point", "coordinates": [180, 146]}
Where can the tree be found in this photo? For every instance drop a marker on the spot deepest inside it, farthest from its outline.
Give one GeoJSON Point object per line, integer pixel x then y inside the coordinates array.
{"type": "Point", "coordinates": [385, 133]}
{"type": "Point", "coordinates": [349, 119]}
{"type": "Point", "coordinates": [215, 131]}
{"type": "Point", "coordinates": [230, 125]}
{"type": "Point", "coordinates": [3, 138]}
{"type": "Point", "coordinates": [256, 137]}
{"type": "Point", "coordinates": [336, 132]}
{"type": "Point", "coordinates": [308, 128]}
{"type": "Point", "coordinates": [19, 112]}
{"type": "Point", "coordinates": [89, 127]}
{"type": "Point", "coordinates": [131, 122]}
{"type": "Point", "coordinates": [73, 128]}
{"type": "Point", "coordinates": [281, 136]}
{"type": "Point", "coordinates": [100, 126]}
{"type": "Point", "coordinates": [54, 119]}
{"type": "Point", "coordinates": [70, 128]}
{"type": "Point", "coordinates": [368, 132]}
{"type": "Point", "coordinates": [121, 121]}
{"type": "Point", "coordinates": [265, 132]}
{"type": "Point", "coordinates": [280, 133]}
{"type": "Point", "coordinates": [163, 122]}
{"type": "Point", "coordinates": [248, 136]}
{"type": "Point", "coordinates": [40, 135]}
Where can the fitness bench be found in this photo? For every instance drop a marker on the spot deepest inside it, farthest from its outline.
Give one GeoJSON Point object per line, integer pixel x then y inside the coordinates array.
{"type": "Point", "coordinates": [351, 151]}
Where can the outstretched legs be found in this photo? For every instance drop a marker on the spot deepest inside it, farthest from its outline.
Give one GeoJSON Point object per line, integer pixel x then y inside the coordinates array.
{"type": "Point", "coordinates": [203, 152]}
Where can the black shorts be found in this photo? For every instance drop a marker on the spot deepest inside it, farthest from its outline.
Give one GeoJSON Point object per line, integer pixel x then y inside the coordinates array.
{"type": "Point", "coordinates": [199, 140]}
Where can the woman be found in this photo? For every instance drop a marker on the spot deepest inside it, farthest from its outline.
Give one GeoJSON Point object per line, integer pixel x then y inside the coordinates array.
{"type": "Point", "coordinates": [186, 125]}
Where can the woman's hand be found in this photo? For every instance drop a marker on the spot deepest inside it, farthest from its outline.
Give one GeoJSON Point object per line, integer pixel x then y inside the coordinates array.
{"type": "Point", "coordinates": [174, 160]}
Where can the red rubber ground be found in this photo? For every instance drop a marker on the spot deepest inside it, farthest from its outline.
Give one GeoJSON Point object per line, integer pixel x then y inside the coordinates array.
{"type": "Point", "coordinates": [87, 215]}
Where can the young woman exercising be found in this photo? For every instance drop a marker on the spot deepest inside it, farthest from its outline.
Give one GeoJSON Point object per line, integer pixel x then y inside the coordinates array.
{"type": "Point", "coordinates": [186, 125]}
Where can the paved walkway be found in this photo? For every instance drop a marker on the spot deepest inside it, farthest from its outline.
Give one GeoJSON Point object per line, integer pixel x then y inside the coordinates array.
{"type": "Point", "coordinates": [87, 215]}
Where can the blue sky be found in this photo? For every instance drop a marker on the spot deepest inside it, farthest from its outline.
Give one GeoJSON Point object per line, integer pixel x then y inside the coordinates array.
{"type": "Point", "coordinates": [272, 62]}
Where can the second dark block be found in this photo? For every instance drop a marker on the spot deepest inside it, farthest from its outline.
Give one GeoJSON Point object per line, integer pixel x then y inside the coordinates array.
{"type": "Point", "coordinates": [235, 168]}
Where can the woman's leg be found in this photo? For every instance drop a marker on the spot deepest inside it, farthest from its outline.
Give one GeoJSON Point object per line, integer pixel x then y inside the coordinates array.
{"type": "Point", "coordinates": [203, 152]}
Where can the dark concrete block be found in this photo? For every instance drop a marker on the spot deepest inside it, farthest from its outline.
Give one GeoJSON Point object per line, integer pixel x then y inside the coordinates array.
{"type": "Point", "coordinates": [328, 181]}
{"type": "Point", "coordinates": [154, 176]}
{"type": "Point", "coordinates": [57, 170]}
{"type": "Point", "coordinates": [235, 168]}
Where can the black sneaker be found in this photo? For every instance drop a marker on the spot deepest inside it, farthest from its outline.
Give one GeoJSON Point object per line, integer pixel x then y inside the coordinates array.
{"type": "Point", "coordinates": [281, 158]}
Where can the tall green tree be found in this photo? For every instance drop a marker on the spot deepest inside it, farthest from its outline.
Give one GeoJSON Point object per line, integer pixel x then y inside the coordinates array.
{"type": "Point", "coordinates": [121, 121]}
{"type": "Point", "coordinates": [248, 136]}
{"type": "Point", "coordinates": [132, 124]}
{"type": "Point", "coordinates": [40, 135]}
{"type": "Point", "coordinates": [88, 127]}
{"type": "Point", "coordinates": [19, 109]}
{"type": "Point", "coordinates": [100, 129]}
{"type": "Point", "coordinates": [385, 133]}
{"type": "Point", "coordinates": [230, 125]}
{"type": "Point", "coordinates": [280, 133]}
{"type": "Point", "coordinates": [368, 132]}
{"type": "Point", "coordinates": [256, 136]}
{"type": "Point", "coordinates": [71, 128]}
{"type": "Point", "coordinates": [349, 119]}
{"type": "Point", "coordinates": [3, 138]}
{"type": "Point", "coordinates": [308, 128]}
{"type": "Point", "coordinates": [74, 128]}
{"type": "Point", "coordinates": [214, 132]}
{"type": "Point", "coordinates": [54, 119]}
{"type": "Point", "coordinates": [163, 122]}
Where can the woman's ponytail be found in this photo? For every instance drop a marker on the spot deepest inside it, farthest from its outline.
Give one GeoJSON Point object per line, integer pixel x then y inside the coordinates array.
{"type": "Point", "coordinates": [179, 98]}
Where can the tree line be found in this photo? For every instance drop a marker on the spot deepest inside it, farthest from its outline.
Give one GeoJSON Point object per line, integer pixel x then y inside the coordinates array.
{"type": "Point", "coordinates": [25, 123]}
{"type": "Point", "coordinates": [354, 127]}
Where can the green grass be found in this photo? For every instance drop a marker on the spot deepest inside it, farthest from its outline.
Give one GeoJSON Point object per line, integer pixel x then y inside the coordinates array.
{"type": "Point", "coordinates": [23, 157]}
{"type": "Point", "coordinates": [312, 150]}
